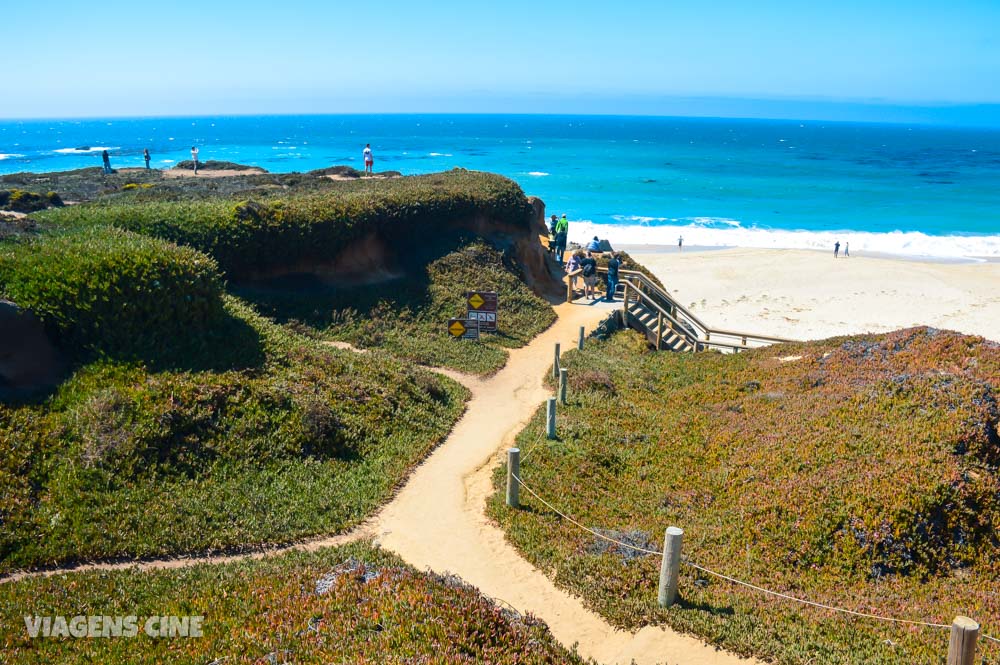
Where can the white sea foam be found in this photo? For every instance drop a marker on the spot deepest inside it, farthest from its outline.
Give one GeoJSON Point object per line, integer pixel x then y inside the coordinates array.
{"type": "Point", "coordinates": [71, 151]}
{"type": "Point", "coordinates": [538, 174]}
{"type": "Point", "coordinates": [440, 154]}
{"type": "Point", "coordinates": [909, 243]}
{"type": "Point", "coordinates": [9, 156]}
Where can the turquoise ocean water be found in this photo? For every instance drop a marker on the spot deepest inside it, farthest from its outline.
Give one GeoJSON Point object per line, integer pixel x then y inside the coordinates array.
{"type": "Point", "coordinates": [908, 190]}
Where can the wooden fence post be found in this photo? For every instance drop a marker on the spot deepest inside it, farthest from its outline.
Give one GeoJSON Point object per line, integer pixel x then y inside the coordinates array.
{"type": "Point", "coordinates": [659, 330]}
{"type": "Point", "coordinates": [962, 645]}
{"type": "Point", "coordinates": [555, 363]}
{"type": "Point", "coordinates": [513, 469]}
{"type": "Point", "coordinates": [563, 378]}
{"type": "Point", "coordinates": [670, 566]}
{"type": "Point", "coordinates": [579, 344]}
{"type": "Point", "coordinates": [550, 418]}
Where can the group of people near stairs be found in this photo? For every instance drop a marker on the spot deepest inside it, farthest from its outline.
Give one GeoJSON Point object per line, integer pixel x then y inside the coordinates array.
{"type": "Point", "coordinates": [584, 260]}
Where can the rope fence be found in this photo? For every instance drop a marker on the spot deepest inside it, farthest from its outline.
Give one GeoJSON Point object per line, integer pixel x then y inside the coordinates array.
{"type": "Point", "coordinates": [728, 578]}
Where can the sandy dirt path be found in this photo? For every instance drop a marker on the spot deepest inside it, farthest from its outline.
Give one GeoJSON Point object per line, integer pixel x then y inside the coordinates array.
{"type": "Point", "coordinates": [437, 521]}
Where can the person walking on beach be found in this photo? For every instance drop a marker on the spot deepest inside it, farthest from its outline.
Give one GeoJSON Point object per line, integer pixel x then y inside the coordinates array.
{"type": "Point", "coordinates": [106, 158]}
{"type": "Point", "coordinates": [369, 159]}
{"type": "Point", "coordinates": [589, 265]}
{"type": "Point", "coordinates": [145, 156]}
{"type": "Point", "coordinates": [194, 158]}
{"type": "Point", "coordinates": [680, 244]}
{"type": "Point", "coordinates": [612, 282]}
{"type": "Point", "coordinates": [836, 249]}
{"type": "Point", "coordinates": [847, 249]}
{"type": "Point", "coordinates": [562, 230]}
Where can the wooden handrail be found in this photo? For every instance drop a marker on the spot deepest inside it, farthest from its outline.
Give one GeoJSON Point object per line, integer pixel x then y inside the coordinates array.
{"type": "Point", "coordinates": [682, 318]}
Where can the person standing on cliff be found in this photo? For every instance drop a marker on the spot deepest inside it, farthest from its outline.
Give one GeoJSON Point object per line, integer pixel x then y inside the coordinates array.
{"type": "Point", "coordinates": [106, 158]}
{"type": "Point", "coordinates": [145, 156]}
{"type": "Point", "coordinates": [369, 159]}
{"type": "Point", "coordinates": [562, 230]}
{"type": "Point", "coordinates": [194, 158]}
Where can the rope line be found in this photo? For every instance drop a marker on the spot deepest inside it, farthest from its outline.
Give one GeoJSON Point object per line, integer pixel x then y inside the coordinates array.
{"type": "Point", "coordinates": [733, 579]}
{"type": "Point", "coordinates": [573, 521]}
{"type": "Point", "coordinates": [813, 603]}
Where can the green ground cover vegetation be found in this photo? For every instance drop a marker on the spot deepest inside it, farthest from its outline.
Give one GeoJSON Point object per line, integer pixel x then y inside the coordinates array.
{"type": "Point", "coordinates": [310, 224]}
{"type": "Point", "coordinates": [859, 472]}
{"type": "Point", "coordinates": [298, 439]}
{"type": "Point", "coordinates": [352, 604]}
{"type": "Point", "coordinates": [187, 420]}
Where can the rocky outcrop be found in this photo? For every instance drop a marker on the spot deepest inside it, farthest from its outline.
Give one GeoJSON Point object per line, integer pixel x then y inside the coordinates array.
{"type": "Point", "coordinates": [29, 363]}
{"type": "Point", "coordinates": [375, 258]}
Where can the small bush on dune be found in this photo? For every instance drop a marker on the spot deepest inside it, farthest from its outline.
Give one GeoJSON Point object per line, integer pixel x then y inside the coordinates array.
{"type": "Point", "coordinates": [112, 291]}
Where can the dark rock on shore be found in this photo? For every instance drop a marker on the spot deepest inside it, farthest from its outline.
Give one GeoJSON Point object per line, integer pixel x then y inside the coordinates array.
{"type": "Point", "coordinates": [341, 171]}
{"type": "Point", "coordinates": [216, 165]}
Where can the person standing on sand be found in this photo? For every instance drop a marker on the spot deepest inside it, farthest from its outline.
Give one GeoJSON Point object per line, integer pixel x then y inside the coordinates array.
{"type": "Point", "coordinates": [562, 230]}
{"type": "Point", "coordinates": [194, 158]}
{"type": "Point", "coordinates": [369, 159]}
{"type": "Point", "coordinates": [847, 249]}
{"type": "Point", "coordinates": [145, 155]}
{"type": "Point", "coordinates": [106, 158]}
{"type": "Point", "coordinates": [680, 244]}
{"type": "Point", "coordinates": [612, 283]}
{"type": "Point", "coordinates": [836, 249]}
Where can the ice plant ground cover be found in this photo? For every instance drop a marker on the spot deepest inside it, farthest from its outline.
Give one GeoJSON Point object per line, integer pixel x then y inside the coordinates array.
{"type": "Point", "coordinates": [861, 472]}
{"type": "Point", "coordinates": [351, 604]}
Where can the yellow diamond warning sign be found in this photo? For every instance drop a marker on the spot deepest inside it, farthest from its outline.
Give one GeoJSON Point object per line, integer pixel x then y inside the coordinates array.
{"type": "Point", "coordinates": [463, 328]}
{"type": "Point", "coordinates": [485, 301]}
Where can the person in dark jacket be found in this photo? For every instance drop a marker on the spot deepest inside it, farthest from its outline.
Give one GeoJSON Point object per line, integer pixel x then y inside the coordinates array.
{"type": "Point", "coordinates": [612, 280]}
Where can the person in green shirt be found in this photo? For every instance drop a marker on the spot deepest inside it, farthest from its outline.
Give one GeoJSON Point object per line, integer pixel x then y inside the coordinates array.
{"type": "Point", "coordinates": [562, 229]}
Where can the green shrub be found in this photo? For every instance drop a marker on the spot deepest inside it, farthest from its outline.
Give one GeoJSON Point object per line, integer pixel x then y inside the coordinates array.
{"type": "Point", "coordinates": [111, 290]}
{"type": "Point", "coordinates": [250, 237]}
{"type": "Point", "coordinates": [19, 200]}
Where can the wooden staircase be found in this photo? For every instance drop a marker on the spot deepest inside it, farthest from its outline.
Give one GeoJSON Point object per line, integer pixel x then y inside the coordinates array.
{"type": "Point", "coordinates": [643, 318]}
{"type": "Point", "coordinates": [668, 326]}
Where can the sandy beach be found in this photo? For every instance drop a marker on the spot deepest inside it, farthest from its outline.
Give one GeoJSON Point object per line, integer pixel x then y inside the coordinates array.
{"type": "Point", "coordinates": [803, 294]}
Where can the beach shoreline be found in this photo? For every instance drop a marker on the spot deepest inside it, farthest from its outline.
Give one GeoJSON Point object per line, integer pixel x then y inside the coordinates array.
{"type": "Point", "coordinates": [807, 294]}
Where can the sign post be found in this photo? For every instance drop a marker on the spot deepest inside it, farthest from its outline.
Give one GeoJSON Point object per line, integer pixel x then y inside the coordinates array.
{"type": "Point", "coordinates": [482, 306]}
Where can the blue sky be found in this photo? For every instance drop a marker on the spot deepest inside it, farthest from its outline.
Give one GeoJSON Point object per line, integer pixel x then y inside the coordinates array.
{"type": "Point", "coordinates": [181, 57]}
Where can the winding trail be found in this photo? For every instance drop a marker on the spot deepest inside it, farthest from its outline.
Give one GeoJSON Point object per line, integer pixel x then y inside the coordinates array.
{"type": "Point", "coordinates": [437, 518]}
